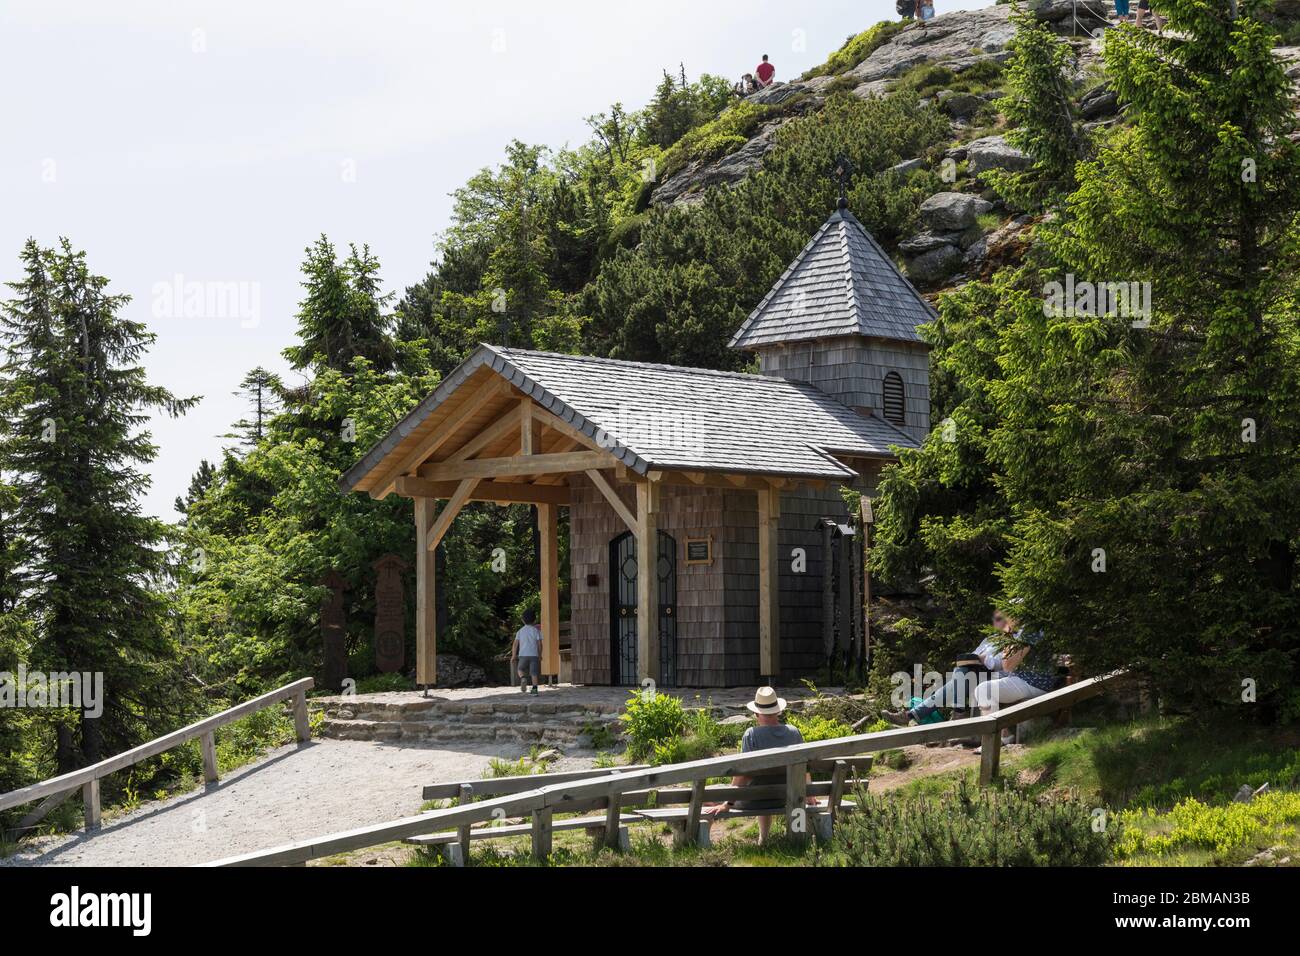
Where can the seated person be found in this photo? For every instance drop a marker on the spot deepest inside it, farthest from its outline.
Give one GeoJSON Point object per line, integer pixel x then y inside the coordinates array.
{"type": "Point", "coordinates": [767, 733]}
{"type": "Point", "coordinates": [1028, 671]}
{"type": "Point", "coordinates": [959, 690]}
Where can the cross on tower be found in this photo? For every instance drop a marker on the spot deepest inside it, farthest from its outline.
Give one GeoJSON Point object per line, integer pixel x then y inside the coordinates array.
{"type": "Point", "coordinates": [842, 174]}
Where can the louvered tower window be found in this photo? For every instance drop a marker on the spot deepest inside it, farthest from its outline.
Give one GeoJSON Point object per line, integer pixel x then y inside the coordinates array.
{"type": "Point", "coordinates": [893, 405]}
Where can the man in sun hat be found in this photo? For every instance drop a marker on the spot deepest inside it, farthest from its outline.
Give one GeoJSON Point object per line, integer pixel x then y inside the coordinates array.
{"type": "Point", "coordinates": [768, 732]}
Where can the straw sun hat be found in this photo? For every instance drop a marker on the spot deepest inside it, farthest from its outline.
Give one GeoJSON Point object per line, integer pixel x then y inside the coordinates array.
{"type": "Point", "coordinates": [766, 702]}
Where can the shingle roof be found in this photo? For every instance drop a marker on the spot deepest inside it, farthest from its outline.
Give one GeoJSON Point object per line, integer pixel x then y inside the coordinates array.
{"type": "Point", "coordinates": [842, 283]}
{"type": "Point", "coordinates": [664, 417]}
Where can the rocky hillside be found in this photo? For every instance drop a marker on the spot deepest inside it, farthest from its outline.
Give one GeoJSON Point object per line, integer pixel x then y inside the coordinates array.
{"type": "Point", "coordinates": [955, 60]}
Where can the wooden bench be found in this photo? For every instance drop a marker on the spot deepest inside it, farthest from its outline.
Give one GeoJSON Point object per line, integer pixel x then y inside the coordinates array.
{"type": "Point", "coordinates": [673, 806]}
{"type": "Point", "coordinates": [690, 826]}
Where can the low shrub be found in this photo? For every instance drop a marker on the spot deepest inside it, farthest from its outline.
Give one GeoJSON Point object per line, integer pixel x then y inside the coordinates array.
{"type": "Point", "coordinates": [965, 828]}
{"type": "Point", "coordinates": [1192, 825]}
{"type": "Point", "coordinates": [651, 719]}
{"type": "Point", "coordinates": [815, 727]}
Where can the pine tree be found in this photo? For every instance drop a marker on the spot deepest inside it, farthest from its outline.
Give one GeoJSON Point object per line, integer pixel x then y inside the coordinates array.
{"type": "Point", "coordinates": [76, 403]}
{"type": "Point", "coordinates": [1041, 115]}
{"type": "Point", "coordinates": [342, 314]}
{"type": "Point", "coordinates": [1153, 454]}
{"type": "Point", "coordinates": [262, 390]}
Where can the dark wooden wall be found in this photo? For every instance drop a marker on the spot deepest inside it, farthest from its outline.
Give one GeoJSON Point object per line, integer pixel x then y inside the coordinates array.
{"type": "Point", "coordinates": [717, 624]}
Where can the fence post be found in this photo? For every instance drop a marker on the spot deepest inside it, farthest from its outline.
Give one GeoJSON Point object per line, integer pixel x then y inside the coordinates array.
{"type": "Point", "coordinates": [613, 821]}
{"type": "Point", "coordinates": [208, 744]}
{"type": "Point", "coordinates": [692, 835]}
{"type": "Point", "coordinates": [990, 755]}
{"type": "Point", "coordinates": [300, 722]}
{"type": "Point", "coordinates": [466, 798]}
{"type": "Point", "coordinates": [796, 810]}
{"type": "Point", "coordinates": [542, 833]}
{"type": "Point", "coordinates": [90, 797]}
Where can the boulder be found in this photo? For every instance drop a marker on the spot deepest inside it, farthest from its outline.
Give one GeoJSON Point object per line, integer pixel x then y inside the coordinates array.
{"type": "Point", "coordinates": [935, 265]}
{"type": "Point", "coordinates": [1056, 11]}
{"type": "Point", "coordinates": [1098, 102]}
{"type": "Point", "coordinates": [455, 672]}
{"type": "Point", "coordinates": [960, 105]}
{"type": "Point", "coordinates": [924, 242]}
{"type": "Point", "coordinates": [952, 212]}
{"type": "Point", "coordinates": [994, 152]}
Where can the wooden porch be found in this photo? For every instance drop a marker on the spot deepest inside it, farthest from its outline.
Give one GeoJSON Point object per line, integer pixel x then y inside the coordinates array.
{"type": "Point", "coordinates": [492, 442]}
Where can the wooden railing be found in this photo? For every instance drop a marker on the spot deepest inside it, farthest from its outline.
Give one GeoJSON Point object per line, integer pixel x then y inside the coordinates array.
{"type": "Point", "coordinates": [605, 789]}
{"type": "Point", "coordinates": [54, 791]}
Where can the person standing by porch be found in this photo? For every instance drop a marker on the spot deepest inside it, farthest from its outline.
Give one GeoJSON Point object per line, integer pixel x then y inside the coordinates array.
{"type": "Point", "coordinates": [526, 655]}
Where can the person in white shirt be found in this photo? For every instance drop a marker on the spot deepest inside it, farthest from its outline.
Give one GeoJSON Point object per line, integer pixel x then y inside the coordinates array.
{"type": "Point", "coordinates": [526, 654]}
{"type": "Point", "coordinates": [960, 690]}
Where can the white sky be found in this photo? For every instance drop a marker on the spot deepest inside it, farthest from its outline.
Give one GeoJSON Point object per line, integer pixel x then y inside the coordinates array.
{"type": "Point", "coordinates": [214, 140]}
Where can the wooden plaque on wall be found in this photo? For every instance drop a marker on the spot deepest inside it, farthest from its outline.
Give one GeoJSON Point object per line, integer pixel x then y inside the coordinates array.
{"type": "Point", "coordinates": [699, 550]}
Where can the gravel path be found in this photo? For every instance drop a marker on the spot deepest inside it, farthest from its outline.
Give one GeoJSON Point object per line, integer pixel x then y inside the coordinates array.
{"type": "Point", "coordinates": [290, 794]}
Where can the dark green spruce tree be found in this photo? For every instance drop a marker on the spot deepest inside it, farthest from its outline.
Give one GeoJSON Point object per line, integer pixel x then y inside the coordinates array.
{"type": "Point", "coordinates": [76, 407]}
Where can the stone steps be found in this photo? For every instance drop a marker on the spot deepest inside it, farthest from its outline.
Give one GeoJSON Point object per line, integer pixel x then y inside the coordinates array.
{"type": "Point", "coordinates": [423, 722]}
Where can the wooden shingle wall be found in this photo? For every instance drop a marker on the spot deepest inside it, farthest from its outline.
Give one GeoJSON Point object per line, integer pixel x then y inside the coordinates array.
{"type": "Point", "coordinates": [686, 512]}
{"type": "Point", "coordinates": [717, 605]}
{"type": "Point", "coordinates": [852, 370]}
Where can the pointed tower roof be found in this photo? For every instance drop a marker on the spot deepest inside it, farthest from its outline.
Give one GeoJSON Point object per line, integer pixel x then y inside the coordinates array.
{"type": "Point", "coordinates": [842, 283]}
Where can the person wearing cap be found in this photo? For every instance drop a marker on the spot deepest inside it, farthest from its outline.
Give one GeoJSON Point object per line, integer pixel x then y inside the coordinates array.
{"type": "Point", "coordinates": [767, 733]}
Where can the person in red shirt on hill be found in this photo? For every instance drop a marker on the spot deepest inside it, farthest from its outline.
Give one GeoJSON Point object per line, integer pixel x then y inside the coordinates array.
{"type": "Point", "coordinates": [765, 72]}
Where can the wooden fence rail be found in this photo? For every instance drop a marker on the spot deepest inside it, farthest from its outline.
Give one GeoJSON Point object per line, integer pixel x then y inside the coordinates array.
{"type": "Point", "coordinates": [570, 796]}
{"type": "Point", "coordinates": [54, 791]}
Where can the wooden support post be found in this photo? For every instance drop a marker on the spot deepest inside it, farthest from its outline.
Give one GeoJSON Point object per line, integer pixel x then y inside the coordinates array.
{"type": "Point", "coordinates": [990, 756]}
{"type": "Point", "coordinates": [796, 804]}
{"type": "Point", "coordinates": [647, 581]}
{"type": "Point", "coordinates": [90, 797]}
{"type": "Point", "coordinates": [426, 612]}
{"type": "Point", "coordinates": [529, 429]}
{"type": "Point", "coordinates": [838, 778]}
{"type": "Point", "coordinates": [769, 584]}
{"type": "Point", "coordinates": [828, 594]}
{"type": "Point", "coordinates": [542, 833]}
{"type": "Point", "coordinates": [613, 821]}
{"type": "Point", "coordinates": [301, 722]}
{"type": "Point", "coordinates": [548, 529]}
{"type": "Point", "coordinates": [694, 810]}
{"type": "Point", "coordinates": [868, 522]}
{"type": "Point", "coordinates": [208, 747]}
{"type": "Point", "coordinates": [466, 798]}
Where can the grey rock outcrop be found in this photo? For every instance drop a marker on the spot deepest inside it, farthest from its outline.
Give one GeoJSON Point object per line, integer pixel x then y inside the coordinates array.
{"type": "Point", "coordinates": [1098, 102]}
{"type": "Point", "coordinates": [952, 212]}
{"type": "Point", "coordinates": [689, 184]}
{"type": "Point", "coordinates": [994, 152]}
{"type": "Point", "coordinates": [1089, 12]}
{"type": "Point", "coordinates": [956, 40]}
{"type": "Point", "coordinates": [934, 266]}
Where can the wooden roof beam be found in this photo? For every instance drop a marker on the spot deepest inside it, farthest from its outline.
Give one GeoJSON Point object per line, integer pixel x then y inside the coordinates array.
{"type": "Point", "coordinates": [515, 493]}
{"type": "Point", "coordinates": [565, 463]}
{"type": "Point", "coordinates": [472, 405]}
